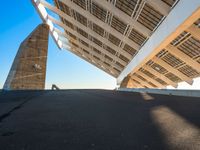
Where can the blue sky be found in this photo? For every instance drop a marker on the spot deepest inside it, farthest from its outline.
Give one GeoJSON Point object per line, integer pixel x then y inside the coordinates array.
{"type": "Point", "coordinates": [63, 68]}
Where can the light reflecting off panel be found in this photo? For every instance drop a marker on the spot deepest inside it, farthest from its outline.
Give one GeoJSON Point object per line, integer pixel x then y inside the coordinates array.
{"type": "Point", "coordinates": [146, 96]}
{"type": "Point", "coordinates": [42, 10]}
{"type": "Point", "coordinates": [177, 131]}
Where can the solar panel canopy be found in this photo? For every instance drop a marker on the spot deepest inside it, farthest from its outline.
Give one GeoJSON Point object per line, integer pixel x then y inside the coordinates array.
{"type": "Point", "coordinates": [113, 34]}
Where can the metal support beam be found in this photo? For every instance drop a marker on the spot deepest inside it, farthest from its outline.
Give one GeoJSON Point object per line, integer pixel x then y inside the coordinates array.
{"type": "Point", "coordinates": [142, 82]}
{"type": "Point", "coordinates": [161, 76]}
{"type": "Point", "coordinates": [90, 55]}
{"type": "Point", "coordinates": [170, 28]}
{"type": "Point", "coordinates": [182, 56]}
{"type": "Point", "coordinates": [43, 14]}
{"type": "Point", "coordinates": [194, 30]}
{"type": "Point", "coordinates": [160, 6]}
{"type": "Point", "coordinates": [90, 50]}
{"type": "Point", "coordinates": [87, 41]}
{"type": "Point", "coordinates": [98, 64]}
{"type": "Point", "coordinates": [123, 16]}
{"type": "Point", "coordinates": [102, 24]}
{"type": "Point", "coordinates": [159, 85]}
{"type": "Point", "coordinates": [138, 85]}
{"type": "Point", "coordinates": [106, 27]}
{"type": "Point", "coordinates": [174, 71]}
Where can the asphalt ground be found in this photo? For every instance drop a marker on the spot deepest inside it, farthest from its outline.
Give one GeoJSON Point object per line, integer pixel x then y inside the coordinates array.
{"type": "Point", "coordinates": [98, 120]}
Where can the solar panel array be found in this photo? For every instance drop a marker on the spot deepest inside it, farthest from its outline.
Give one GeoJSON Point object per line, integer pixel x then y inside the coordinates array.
{"type": "Point", "coordinates": [102, 36]}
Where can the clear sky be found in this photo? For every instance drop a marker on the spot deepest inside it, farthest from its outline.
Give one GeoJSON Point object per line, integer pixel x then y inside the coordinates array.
{"type": "Point", "coordinates": [18, 19]}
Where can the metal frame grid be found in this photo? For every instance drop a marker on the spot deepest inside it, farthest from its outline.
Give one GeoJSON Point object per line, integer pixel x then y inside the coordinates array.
{"type": "Point", "coordinates": [179, 61]}
{"type": "Point", "coordinates": [108, 34]}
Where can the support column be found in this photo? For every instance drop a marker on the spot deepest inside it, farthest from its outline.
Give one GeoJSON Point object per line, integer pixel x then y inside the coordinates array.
{"type": "Point", "coordinates": [127, 83]}
{"type": "Point", "coordinates": [28, 71]}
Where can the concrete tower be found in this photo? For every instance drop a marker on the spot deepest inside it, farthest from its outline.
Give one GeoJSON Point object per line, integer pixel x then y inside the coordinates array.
{"type": "Point", "coordinates": [28, 71]}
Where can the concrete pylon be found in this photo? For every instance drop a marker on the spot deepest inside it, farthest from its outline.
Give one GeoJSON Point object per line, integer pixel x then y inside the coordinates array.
{"type": "Point", "coordinates": [127, 82]}
{"type": "Point", "coordinates": [28, 71]}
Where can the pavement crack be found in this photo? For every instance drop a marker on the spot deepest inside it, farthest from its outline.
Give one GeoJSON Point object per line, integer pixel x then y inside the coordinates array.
{"type": "Point", "coordinates": [5, 115]}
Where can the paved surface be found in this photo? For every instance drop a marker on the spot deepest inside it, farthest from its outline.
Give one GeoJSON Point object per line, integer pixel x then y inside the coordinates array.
{"type": "Point", "coordinates": [98, 120]}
